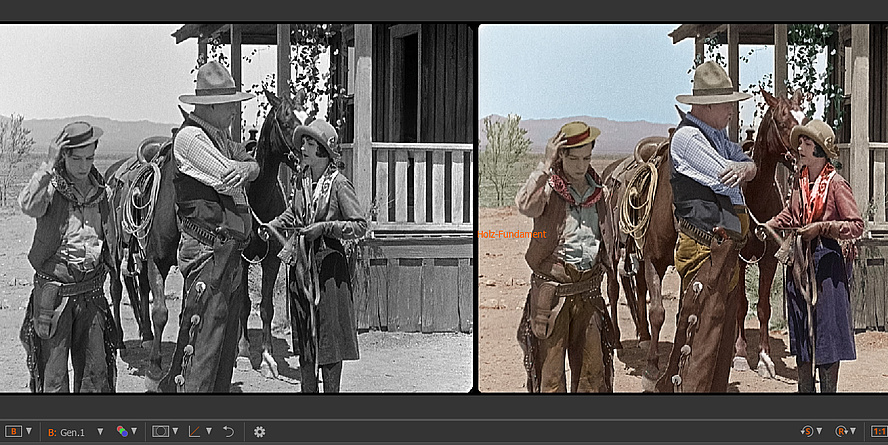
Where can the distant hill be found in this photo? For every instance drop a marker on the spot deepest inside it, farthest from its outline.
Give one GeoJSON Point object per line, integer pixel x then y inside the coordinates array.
{"type": "Point", "coordinates": [616, 137]}
{"type": "Point", "coordinates": [120, 138]}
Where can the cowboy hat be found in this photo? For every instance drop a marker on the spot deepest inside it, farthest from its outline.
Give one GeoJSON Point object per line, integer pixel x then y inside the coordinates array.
{"type": "Point", "coordinates": [80, 134]}
{"type": "Point", "coordinates": [577, 134]}
{"type": "Point", "coordinates": [214, 86]}
{"type": "Point", "coordinates": [321, 131]}
{"type": "Point", "coordinates": [819, 132]}
{"type": "Point", "coordinates": [712, 86]}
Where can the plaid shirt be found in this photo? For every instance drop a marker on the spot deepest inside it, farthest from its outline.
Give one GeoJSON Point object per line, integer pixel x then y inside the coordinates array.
{"type": "Point", "coordinates": [694, 157]}
{"type": "Point", "coordinates": [197, 156]}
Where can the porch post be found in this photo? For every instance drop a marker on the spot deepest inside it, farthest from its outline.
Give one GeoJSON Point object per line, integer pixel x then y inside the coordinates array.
{"type": "Point", "coordinates": [363, 114]}
{"type": "Point", "coordinates": [236, 126]}
{"type": "Point", "coordinates": [860, 43]}
{"type": "Point", "coordinates": [734, 73]}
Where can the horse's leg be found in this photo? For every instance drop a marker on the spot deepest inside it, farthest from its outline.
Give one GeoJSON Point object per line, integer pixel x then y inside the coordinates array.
{"type": "Point", "coordinates": [740, 362]}
{"type": "Point", "coordinates": [116, 296]}
{"type": "Point", "coordinates": [142, 302]}
{"type": "Point", "coordinates": [159, 316]}
{"type": "Point", "coordinates": [270, 266]}
{"type": "Point", "coordinates": [652, 283]}
{"type": "Point", "coordinates": [613, 296]}
{"type": "Point", "coordinates": [243, 344]}
{"type": "Point", "coordinates": [767, 268]}
{"type": "Point", "coordinates": [643, 331]}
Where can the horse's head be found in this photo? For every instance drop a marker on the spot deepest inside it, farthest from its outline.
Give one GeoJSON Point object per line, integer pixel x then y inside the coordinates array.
{"type": "Point", "coordinates": [782, 115]}
{"type": "Point", "coordinates": [276, 135]}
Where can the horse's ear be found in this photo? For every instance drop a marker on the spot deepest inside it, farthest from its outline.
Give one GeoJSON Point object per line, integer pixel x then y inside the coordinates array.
{"type": "Point", "coordinates": [797, 97]}
{"type": "Point", "coordinates": [184, 113]}
{"type": "Point", "coordinates": [272, 98]}
{"type": "Point", "coordinates": [681, 114]}
{"type": "Point", "coordinates": [769, 98]}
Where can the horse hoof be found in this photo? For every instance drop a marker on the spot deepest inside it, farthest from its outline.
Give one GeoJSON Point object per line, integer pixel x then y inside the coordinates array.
{"type": "Point", "coordinates": [644, 344]}
{"type": "Point", "coordinates": [766, 368]}
{"type": "Point", "coordinates": [649, 381]}
{"type": "Point", "coordinates": [740, 364]}
{"type": "Point", "coordinates": [152, 385]}
{"type": "Point", "coordinates": [268, 368]}
{"type": "Point", "coordinates": [243, 364]}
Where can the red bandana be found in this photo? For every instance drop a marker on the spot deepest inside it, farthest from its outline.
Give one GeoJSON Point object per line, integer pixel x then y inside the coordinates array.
{"type": "Point", "coordinates": [557, 182]}
{"type": "Point", "coordinates": [814, 200]}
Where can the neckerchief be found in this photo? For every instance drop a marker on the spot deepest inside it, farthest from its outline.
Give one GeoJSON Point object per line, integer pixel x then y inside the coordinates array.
{"type": "Point", "coordinates": [814, 200]}
{"type": "Point", "coordinates": [66, 188]}
{"type": "Point", "coordinates": [321, 193]}
{"type": "Point", "coordinates": [557, 182]}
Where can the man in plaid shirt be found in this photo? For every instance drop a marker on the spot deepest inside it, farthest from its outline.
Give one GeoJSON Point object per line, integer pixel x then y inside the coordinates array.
{"type": "Point", "coordinates": [707, 172]}
{"type": "Point", "coordinates": [215, 224]}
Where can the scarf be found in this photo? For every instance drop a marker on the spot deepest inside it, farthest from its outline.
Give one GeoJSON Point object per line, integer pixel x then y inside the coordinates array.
{"type": "Point", "coordinates": [814, 199]}
{"type": "Point", "coordinates": [66, 188]}
{"type": "Point", "coordinates": [557, 182]}
{"type": "Point", "coordinates": [320, 198]}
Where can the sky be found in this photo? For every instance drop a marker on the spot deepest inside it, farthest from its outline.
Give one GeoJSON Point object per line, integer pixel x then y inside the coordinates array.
{"type": "Point", "coordinates": [622, 72]}
{"type": "Point", "coordinates": [124, 72]}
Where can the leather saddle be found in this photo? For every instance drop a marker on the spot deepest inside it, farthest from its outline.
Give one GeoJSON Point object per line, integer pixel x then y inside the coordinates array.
{"type": "Point", "coordinates": [650, 147]}
{"type": "Point", "coordinates": [151, 147]}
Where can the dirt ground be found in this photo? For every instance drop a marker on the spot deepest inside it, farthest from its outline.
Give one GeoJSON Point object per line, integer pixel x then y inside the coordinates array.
{"type": "Point", "coordinates": [503, 285]}
{"type": "Point", "coordinates": [390, 361]}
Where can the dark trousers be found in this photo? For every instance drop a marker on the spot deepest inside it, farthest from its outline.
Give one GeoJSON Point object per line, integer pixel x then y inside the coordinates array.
{"type": "Point", "coordinates": [331, 375]}
{"type": "Point", "coordinates": [206, 347]}
{"type": "Point", "coordinates": [829, 376]}
{"type": "Point", "coordinates": [81, 333]}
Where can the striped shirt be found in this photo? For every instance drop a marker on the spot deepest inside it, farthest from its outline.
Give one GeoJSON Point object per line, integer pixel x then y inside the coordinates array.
{"type": "Point", "coordinates": [694, 157]}
{"type": "Point", "coordinates": [197, 156]}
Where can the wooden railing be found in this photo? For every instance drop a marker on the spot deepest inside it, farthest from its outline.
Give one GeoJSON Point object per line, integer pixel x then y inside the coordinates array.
{"type": "Point", "coordinates": [419, 187]}
{"type": "Point", "coordinates": [876, 212]}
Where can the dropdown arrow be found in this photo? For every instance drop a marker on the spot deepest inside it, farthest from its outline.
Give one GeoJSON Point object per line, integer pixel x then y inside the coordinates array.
{"type": "Point", "coordinates": [100, 430]}
{"type": "Point", "coordinates": [818, 430]}
{"type": "Point", "coordinates": [852, 429]}
{"type": "Point", "coordinates": [28, 430]}
{"type": "Point", "coordinates": [209, 429]}
{"type": "Point", "coordinates": [134, 430]}
{"type": "Point", "coordinates": [175, 430]}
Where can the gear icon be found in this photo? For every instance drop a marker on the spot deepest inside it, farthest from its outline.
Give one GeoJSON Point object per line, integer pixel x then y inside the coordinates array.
{"type": "Point", "coordinates": [259, 432]}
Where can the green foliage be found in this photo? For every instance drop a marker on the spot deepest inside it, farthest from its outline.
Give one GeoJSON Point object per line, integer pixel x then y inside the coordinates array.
{"type": "Point", "coordinates": [807, 42]}
{"type": "Point", "coordinates": [507, 145]}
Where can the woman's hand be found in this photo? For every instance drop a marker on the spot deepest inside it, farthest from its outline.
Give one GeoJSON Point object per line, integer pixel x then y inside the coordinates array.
{"type": "Point", "coordinates": [313, 231]}
{"type": "Point", "coordinates": [809, 231]}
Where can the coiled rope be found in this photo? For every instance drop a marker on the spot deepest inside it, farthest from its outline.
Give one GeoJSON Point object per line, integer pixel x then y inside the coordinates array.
{"type": "Point", "coordinates": [137, 212]}
{"type": "Point", "coordinates": [637, 202]}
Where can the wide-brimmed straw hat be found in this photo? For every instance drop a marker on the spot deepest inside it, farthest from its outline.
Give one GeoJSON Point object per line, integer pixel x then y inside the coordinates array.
{"type": "Point", "coordinates": [712, 86]}
{"type": "Point", "coordinates": [819, 132]}
{"type": "Point", "coordinates": [321, 131]}
{"type": "Point", "coordinates": [214, 86]}
{"type": "Point", "coordinates": [80, 134]}
{"type": "Point", "coordinates": [578, 134]}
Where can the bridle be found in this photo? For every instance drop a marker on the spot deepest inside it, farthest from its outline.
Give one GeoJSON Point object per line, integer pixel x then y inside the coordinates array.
{"type": "Point", "coordinates": [292, 154]}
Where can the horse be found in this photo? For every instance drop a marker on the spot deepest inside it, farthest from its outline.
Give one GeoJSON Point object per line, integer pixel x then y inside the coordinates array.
{"type": "Point", "coordinates": [161, 238]}
{"type": "Point", "coordinates": [657, 252]}
{"type": "Point", "coordinates": [763, 200]}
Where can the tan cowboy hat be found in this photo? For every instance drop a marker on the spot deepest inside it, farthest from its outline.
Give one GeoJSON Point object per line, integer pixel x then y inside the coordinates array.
{"type": "Point", "coordinates": [214, 86]}
{"type": "Point", "coordinates": [578, 134]}
{"type": "Point", "coordinates": [321, 131]}
{"type": "Point", "coordinates": [80, 134]}
{"type": "Point", "coordinates": [819, 132]}
{"type": "Point", "coordinates": [712, 86]}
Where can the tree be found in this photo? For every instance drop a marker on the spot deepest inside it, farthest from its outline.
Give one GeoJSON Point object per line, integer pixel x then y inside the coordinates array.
{"type": "Point", "coordinates": [507, 145]}
{"type": "Point", "coordinates": [15, 144]}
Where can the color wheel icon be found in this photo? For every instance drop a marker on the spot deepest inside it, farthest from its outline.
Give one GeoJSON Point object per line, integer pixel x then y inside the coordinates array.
{"type": "Point", "coordinates": [123, 432]}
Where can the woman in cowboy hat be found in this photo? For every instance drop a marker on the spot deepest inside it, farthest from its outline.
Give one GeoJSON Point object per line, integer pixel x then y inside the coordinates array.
{"type": "Point", "coordinates": [707, 171]}
{"type": "Point", "coordinates": [823, 211]}
{"type": "Point", "coordinates": [565, 313]}
{"type": "Point", "coordinates": [215, 223]}
{"type": "Point", "coordinates": [325, 210]}
{"type": "Point", "coordinates": [67, 312]}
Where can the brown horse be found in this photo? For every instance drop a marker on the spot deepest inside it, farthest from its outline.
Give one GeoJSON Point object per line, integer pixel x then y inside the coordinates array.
{"type": "Point", "coordinates": [162, 237]}
{"type": "Point", "coordinates": [772, 146]}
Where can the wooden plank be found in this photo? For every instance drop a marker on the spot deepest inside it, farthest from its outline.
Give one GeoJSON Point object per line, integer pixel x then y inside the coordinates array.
{"type": "Point", "coordinates": [419, 186]}
{"type": "Point", "coordinates": [859, 118]}
{"type": "Point", "coordinates": [392, 298]}
{"type": "Point", "coordinates": [858, 290]}
{"type": "Point", "coordinates": [409, 300]}
{"type": "Point", "coordinates": [361, 294]}
{"type": "Point", "coordinates": [881, 294]}
{"type": "Point", "coordinates": [400, 191]}
{"type": "Point", "coordinates": [382, 181]}
{"type": "Point", "coordinates": [427, 146]}
{"type": "Point", "coordinates": [380, 105]}
{"type": "Point", "coordinates": [440, 79]}
{"type": "Point", "coordinates": [457, 182]}
{"type": "Point", "coordinates": [363, 125]}
{"type": "Point", "coordinates": [472, 113]}
{"type": "Point", "coordinates": [396, 88]}
{"type": "Point", "coordinates": [438, 187]}
{"type": "Point", "coordinates": [879, 185]}
{"type": "Point", "coordinates": [431, 296]}
{"type": "Point", "coordinates": [418, 249]}
{"type": "Point", "coordinates": [450, 111]}
{"type": "Point", "coordinates": [462, 92]}
{"type": "Point", "coordinates": [471, 177]}
{"type": "Point", "coordinates": [447, 310]}
{"type": "Point", "coordinates": [237, 74]}
{"type": "Point", "coordinates": [466, 295]}
{"type": "Point", "coordinates": [427, 83]}
{"type": "Point", "coordinates": [383, 280]}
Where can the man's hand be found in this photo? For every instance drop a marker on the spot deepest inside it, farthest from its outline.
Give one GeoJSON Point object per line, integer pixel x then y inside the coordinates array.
{"type": "Point", "coordinates": [237, 174]}
{"type": "Point", "coordinates": [737, 172]}
{"type": "Point", "coordinates": [313, 231]}
{"type": "Point", "coordinates": [553, 149]}
{"type": "Point", "coordinates": [53, 155]}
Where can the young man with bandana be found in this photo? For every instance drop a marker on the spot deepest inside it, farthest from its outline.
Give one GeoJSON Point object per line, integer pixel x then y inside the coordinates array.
{"type": "Point", "coordinates": [565, 312]}
{"type": "Point", "coordinates": [822, 212]}
{"type": "Point", "coordinates": [67, 312]}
